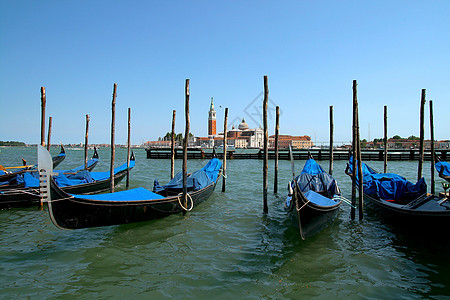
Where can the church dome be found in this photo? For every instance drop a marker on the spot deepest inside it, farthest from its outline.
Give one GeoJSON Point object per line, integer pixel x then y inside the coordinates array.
{"type": "Point", "coordinates": [243, 125]}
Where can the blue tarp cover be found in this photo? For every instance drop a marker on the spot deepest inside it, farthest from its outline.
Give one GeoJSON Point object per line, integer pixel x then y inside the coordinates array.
{"type": "Point", "coordinates": [129, 195]}
{"type": "Point", "coordinates": [312, 167]}
{"type": "Point", "coordinates": [28, 180]}
{"type": "Point", "coordinates": [196, 181]}
{"type": "Point", "coordinates": [389, 186]}
{"type": "Point", "coordinates": [105, 175]}
{"type": "Point", "coordinates": [445, 165]}
{"type": "Point", "coordinates": [314, 178]}
{"type": "Point", "coordinates": [319, 199]}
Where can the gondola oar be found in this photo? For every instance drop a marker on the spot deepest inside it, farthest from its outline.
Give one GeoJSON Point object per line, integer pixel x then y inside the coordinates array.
{"type": "Point", "coordinates": [294, 193]}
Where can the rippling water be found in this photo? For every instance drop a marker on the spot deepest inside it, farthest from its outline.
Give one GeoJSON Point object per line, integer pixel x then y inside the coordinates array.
{"type": "Point", "coordinates": [226, 247]}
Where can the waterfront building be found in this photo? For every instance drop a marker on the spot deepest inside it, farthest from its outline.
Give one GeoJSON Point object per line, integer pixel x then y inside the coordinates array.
{"type": "Point", "coordinates": [297, 142]}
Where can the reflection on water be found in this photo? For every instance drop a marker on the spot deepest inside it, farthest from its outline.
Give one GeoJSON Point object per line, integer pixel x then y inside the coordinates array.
{"type": "Point", "coordinates": [226, 247]}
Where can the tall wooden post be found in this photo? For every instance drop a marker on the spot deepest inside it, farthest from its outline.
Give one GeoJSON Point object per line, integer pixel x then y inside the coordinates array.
{"type": "Point", "coordinates": [277, 132]}
{"type": "Point", "coordinates": [422, 134]}
{"type": "Point", "coordinates": [129, 148]}
{"type": "Point", "coordinates": [43, 102]}
{"type": "Point", "coordinates": [86, 142]}
{"type": "Point", "coordinates": [266, 138]}
{"type": "Point", "coordinates": [354, 141]}
{"type": "Point", "coordinates": [331, 141]}
{"type": "Point", "coordinates": [224, 167]}
{"type": "Point", "coordinates": [172, 147]}
{"type": "Point", "coordinates": [385, 139]}
{"type": "Point", "coordinates": [49, 135]}
{"type": "Point", "coordinates": [113, 128]}
{"type": "Point", "coordinates": [433, 155]}
{"type": "Point", "coordinates": [185, 144]}
{"type": "Point", "coordinates": [360, 176]}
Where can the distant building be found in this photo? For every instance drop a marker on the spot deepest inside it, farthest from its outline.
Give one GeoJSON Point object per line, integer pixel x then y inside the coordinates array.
{"type": "Point", "coordinates": [212, 120]}
{"type": "Point", "coordinates": [297, 142]}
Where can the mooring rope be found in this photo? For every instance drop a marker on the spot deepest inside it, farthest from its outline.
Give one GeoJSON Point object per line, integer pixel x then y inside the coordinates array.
{"type": "Point", "coordinates": [345, 200]}
{"type": "Point", "coordinates": [21, 191]}
{"type": "Point", "coordinates": [184, 208]}
{"type": "Point", "coordinates": [298, 209]}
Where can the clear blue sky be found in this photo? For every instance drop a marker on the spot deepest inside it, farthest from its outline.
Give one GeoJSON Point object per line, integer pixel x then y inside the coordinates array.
{"type": "Point", "coordinates": [310, 51]}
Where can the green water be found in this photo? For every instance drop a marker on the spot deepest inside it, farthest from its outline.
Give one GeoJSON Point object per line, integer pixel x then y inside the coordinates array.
{"type": "Point", "coordinates": [225, 248]}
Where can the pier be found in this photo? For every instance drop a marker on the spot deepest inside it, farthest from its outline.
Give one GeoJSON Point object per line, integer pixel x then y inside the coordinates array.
{"type": "Point", "coordinates": [299, 154]}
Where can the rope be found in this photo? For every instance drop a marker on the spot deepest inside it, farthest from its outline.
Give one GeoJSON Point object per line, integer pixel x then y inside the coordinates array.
{"type": "Point", "coordinates": [298, 209]}
{"type": "Point", "coordinates": [36, 192]}
{"type": "Point", "coordinates": [184, 208]}
{"type": "Point", "coordinates": [345, 200]}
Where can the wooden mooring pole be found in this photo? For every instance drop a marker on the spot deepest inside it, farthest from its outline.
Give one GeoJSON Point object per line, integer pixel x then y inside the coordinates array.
{"type": "Point", "coordinates": [433, 155]}
{"type": "Point", "coordinates": [128, 148]}
{"type": "Point", "coordinates": [277, 132]}
{"type": "Point", "coordinates": [49, 135]}
{"type": "Point", "coordinates": [113, 128]}
{"type": "Point", "coordinates": [86, 142]}
{"type": "Point", "coordinates": [360, 176]}
{"type": "Point", "coordinates": [266, 140]}
{"type": "Point", "coordinates": [185, 144]}
{"type": "Point", "coordinates": [385, 138]}
{"type": "Point", "coordinates": [43, 102]}
{"type": "Point", "coordinates": [422, 134]}
{"type": "Point", "coordinates": [172, 147]}
{"type": "Point", "coordinates": [330, 171]}
{"type": "Point", "coordinates": [224, 167]}
{"type": "Point", "coordinates": [354, 137]}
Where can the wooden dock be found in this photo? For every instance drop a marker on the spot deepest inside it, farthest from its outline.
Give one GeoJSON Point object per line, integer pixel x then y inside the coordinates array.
{"type": "Point", "coordinates": [299, 154]}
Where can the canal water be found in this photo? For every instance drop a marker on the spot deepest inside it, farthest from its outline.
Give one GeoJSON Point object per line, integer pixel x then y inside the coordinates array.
{"type": "Point", "coordinates": [225, 248]}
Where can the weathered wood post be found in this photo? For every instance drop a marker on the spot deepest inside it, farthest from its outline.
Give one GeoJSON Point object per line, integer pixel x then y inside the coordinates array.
{"type": "Point", "coordinates": [433, 155]}
{"type": "Point", "coordinates": [86, 142]}
{"type": "Point", "coordinates": [43, 102]}
{"type": "Point", "coordinates": [360, 176]}
{"type": "Point", "coordinates": [266, 138]}
{"type": "Point", "coordinates": [172, 147]}
{"type": "Point", "coordinates": [385, 139]}
{"type": "Point", "coordinates": [128, 148]}
{"type": "Point", "coordinates": [277, 130]}
{"type": "Point", "coordinates": [422, 133]}
{"type": "Point", "coordinates": [49, 135]}
{"type": "Point", "coordinates": [331, 141]}
{"type": "Point", "coordinates": [185, 144]}
{"type": "Point", "coordinates": [113, 128]}
{"type": "Point", "coordinates": [224, 167]}
{"type": "Point", "coordinates": [354, 141]}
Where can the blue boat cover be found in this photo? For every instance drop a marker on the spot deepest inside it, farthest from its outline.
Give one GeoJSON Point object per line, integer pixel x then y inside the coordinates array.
{"type": "Point", "coordinates": [137, 194]}
{"type": "Point", "coordinates": [196, 181]}
{"type": "Point", "coordinates": [445, 165]}
{"type": "Point", "coordinates": [314, 178]}
{"type": "Point", "coordinates": [318, 199]}
{"type": "Point", "coordinates": [312, 167]}
{"type": "Point", "coordinates": [389, 186]}
{"type": "Point", "coordinates": [28, 180]}
{"type": "Point", "coordinates": [105, 175]}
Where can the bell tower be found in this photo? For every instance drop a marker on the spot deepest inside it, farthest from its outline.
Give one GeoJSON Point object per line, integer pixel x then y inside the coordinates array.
{"type": "Point", "coordinates": [212, 120]}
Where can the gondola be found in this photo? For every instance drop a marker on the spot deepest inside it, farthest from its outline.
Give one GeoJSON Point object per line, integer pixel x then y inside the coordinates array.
{"type": "Point", "coordinates": [70, 211]}
{"type": "Point", "coordinates": [443, 168]}
{"type": "Point", "coordinates": [313, 200]}
{"type": "Point", "coordinates": [402, 201]}
{"type": "Point", "coordinates": [59, 158]}
{"type": "Point", "coordinates": [26, 193]}
{"type": "Point", "coordinates": [7, 174]}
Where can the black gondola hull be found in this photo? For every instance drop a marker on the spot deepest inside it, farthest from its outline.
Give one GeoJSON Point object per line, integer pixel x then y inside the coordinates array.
{"type": "Point", "coordinates": [433, 216]}
{"type": "Point", "coordinates": [313, 218]}
{"type": "Point", "coordinates": [75, 213]}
